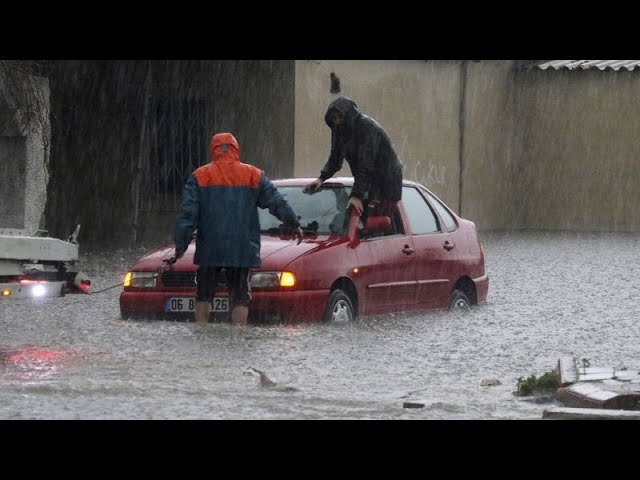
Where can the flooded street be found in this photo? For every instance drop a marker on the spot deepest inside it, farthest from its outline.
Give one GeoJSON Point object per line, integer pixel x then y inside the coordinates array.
{"type": "Point", "coordinates": [550, 295]}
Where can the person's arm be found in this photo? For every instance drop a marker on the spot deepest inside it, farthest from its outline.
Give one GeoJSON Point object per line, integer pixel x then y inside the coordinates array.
{"type": "Point", "coordinates": [334, 163]}
{"type": "Point", "coordinates": [269, 197]}
{"type": "Point", "coordinates": [188, 217]}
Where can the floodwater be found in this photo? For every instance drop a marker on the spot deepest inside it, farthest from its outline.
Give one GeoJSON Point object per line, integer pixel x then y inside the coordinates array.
{"type": "Point", "coordinates": [550, 295]}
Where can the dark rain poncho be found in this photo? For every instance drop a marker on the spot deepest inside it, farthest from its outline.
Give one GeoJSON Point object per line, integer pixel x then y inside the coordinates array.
{"type": "Point", "coordinates": [362, 141]}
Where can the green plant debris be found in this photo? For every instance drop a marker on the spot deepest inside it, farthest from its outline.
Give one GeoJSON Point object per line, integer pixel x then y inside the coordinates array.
{"type": "Point", "coordinates": [543, 385]}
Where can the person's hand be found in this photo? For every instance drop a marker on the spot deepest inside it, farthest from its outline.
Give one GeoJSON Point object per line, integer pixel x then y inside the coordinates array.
{"type": "Point", "coordinates": [174, 259]}
{"type": "Point", "coordinates": [356, 203]}
{"type": "Point", "coordinates": [299, 234]}
{"type": "Point", "coordinates": [313, 186]}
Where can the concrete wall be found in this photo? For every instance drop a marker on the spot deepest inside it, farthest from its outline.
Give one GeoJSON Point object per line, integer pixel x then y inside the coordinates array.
{"type": "Point", "coordinates": [24, 151]}
{"type": "Point", "coordinates": [490, 190]}
{"type": "Point", "coordinates": [579, 149]}
{"type": "Point", "coordinates": [540, 149]}
{"type": "Point", "coordinates": [37, 146]}
{"type": "Point", "coordinates": [417, 102]}
{"type": "Point", "coordinates": [12, 182]}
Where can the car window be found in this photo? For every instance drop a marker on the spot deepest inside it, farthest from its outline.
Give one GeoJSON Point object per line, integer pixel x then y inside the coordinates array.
{"type": "Point", "coordinates": [449, 221]}
{"type": "Point", "coordinates": [421, 217]}
{"type": "Point", "coordinates": [323, 211]}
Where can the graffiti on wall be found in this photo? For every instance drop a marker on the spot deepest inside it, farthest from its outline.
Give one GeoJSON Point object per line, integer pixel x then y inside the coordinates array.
{"type": "Point", "coordinates": [428, 173]}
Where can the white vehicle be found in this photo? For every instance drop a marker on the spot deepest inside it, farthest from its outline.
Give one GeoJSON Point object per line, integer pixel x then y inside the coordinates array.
{"type": "Point", "coordinates": [36, 266]}
{"type": "Point", "coordinates": [31, 264]}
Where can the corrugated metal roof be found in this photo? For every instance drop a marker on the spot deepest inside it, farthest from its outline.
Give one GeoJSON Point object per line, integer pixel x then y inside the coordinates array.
{"type": "Point", "coordinates": [590, 64]}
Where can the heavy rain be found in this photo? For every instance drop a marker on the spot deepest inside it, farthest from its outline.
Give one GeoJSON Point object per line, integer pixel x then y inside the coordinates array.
{"type": "Point", "coordinates": [110, 144]}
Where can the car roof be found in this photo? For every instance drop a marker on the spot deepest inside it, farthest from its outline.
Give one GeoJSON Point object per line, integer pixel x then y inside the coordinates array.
{"type": "Point", "coordinates": [348, 182]}
{"type": "Point", "coordinates": [338, 181]}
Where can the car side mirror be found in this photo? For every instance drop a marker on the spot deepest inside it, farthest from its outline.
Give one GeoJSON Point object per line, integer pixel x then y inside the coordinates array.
{"type": "Point", "coordinates": [378, 225]}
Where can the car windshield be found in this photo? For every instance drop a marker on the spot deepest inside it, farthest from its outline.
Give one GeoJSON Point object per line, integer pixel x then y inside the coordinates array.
{"type": "Point", "coordinates": [323, 212]}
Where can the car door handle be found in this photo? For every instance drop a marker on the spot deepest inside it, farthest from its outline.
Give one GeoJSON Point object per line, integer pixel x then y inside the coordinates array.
{"type": "Point", "coordinates": [407, 250]}
{"type": "Point", "coordinates": [448, 245]}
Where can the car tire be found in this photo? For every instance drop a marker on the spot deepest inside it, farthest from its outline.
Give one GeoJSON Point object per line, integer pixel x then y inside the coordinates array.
{"type": "Point", "coordinates": [459, 300]}
{"type": "Point", "coordinates": [339, 308]}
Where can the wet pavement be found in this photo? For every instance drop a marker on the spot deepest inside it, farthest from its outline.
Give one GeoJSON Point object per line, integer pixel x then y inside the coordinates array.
{"type": "Point", "coordinates": [550, 295]}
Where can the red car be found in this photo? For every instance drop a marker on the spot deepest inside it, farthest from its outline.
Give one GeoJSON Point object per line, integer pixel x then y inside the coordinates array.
{"type": "Point", "coordinates": [423, 257]}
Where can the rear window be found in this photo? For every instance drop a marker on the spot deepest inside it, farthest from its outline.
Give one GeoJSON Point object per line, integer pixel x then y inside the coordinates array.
{"type": "Point", "coordinates": [449, 222]}
{"type": "Point", "coordinates": [421, 217]}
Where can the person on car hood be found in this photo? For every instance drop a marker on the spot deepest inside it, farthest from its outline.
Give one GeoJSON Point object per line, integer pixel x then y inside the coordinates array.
{"type": "Point", "coordinates": [221, 200]}
{"type": "Point", "coordinates": [366, 146]}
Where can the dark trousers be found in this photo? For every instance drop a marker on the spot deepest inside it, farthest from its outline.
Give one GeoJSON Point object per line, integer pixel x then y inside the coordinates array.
{"type": "Point", "coordinates": [237, 279]}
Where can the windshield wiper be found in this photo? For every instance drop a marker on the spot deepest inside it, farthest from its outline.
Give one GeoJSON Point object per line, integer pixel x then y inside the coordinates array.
{"type": "Point", "coordinates": [276, 231]}
{"type": "Point", "coordinates": [282, 230]}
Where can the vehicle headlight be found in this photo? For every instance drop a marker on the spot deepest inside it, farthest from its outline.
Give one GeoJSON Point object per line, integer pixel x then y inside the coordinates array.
{"type": "Point", "coordinates": [272, 279]}
{"type": "Point", "coordinates": [140, 279]}
{"type": "Point", "coordinates": [38, 290]}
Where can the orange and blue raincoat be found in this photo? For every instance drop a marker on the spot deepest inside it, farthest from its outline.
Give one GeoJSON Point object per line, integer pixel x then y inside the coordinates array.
{"type": "Point", "coordinates": [221, 200]}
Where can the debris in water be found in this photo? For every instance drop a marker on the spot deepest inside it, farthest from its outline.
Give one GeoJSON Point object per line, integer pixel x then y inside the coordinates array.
{"type": "Point", "coordinates": [414, 404]}
{"type": "Point", "coordinates": [266, 382]}
{"type": "Point", "coordinates": [490, 382]}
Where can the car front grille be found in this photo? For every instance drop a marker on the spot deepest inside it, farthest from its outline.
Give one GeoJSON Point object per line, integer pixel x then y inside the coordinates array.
{"type": "Point", "coordinates": [175, 279]}
{"type": "Point", "coordinates": [179, 279]}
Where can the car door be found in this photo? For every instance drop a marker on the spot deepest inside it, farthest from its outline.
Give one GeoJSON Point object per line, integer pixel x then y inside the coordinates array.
{"type": "Point", "coordinates": [435, 251]}
{"type": "Point", "coordinates": [387, 266]}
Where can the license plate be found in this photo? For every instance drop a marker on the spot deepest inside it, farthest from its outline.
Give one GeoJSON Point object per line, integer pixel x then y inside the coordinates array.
{"type": "Point", "coordinates": [188, 304]}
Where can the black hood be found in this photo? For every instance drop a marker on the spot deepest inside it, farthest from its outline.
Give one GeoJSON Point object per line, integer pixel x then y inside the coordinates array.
{"type": "Point", "coordinates": [346, 107]}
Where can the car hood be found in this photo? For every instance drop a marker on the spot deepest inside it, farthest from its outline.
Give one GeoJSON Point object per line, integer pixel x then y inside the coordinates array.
{"type": "Point", "coordinates": [275, 252]}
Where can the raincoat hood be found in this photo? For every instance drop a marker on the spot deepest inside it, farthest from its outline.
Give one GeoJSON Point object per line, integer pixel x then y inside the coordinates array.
{"type": "Point", "coordinates": [346, 107]}
{"type": "Point", "coordinates": [224, 146]}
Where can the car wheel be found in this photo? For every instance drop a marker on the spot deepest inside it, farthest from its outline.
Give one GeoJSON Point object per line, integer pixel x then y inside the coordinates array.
{"type": "Point", "coordinates": [339, 308]}
{"type": "Point", "coordinates": [459, 301]}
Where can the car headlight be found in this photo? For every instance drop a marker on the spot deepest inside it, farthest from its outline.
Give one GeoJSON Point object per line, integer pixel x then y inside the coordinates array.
{"type": "Point", "coordinates": [140, 279]}
{"type": "Point", "coordinates": [272, 279]}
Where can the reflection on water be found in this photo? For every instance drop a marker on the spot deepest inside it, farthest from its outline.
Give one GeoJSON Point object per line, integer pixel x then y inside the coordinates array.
{"type": "Point", "coordinates": [550, 295]}
{"type": "Point", "coordinates": [28, 362]}
{"type": "Point", "coordinates": [32, 363]}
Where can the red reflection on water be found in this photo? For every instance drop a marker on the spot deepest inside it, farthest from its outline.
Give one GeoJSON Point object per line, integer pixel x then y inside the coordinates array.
{"type": "Point", "coordinates": [37, 354]}
{"type": "Point", "coordinates": [29, 361]}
